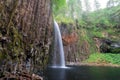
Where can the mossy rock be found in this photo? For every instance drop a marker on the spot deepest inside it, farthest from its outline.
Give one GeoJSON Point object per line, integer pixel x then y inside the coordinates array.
{"type": "Point", "coordinates": [115, 50]}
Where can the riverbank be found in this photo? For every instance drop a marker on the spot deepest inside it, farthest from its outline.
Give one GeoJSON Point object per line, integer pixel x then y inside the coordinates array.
{"type": "Point", "coordinates": [93, 64]}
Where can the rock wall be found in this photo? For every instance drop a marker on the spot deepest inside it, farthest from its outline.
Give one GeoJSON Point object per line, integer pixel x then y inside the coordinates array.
{"type": "Point", "coordinates": [25, 34]}
{"type": "Point", "coordinates": [79, 43]}
{"type": "Point", "coordinates": [76, 49]}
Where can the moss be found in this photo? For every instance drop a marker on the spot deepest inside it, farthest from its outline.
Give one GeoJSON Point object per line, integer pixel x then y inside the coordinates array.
{"type": "Point", "coordinates": [86, 35]}
{"type": "Point", "coordinates": [1, 55]}
{"type": "Point", "coordinates": [11, 16]}
{"type": "Point", "coordinates": [14, 45]}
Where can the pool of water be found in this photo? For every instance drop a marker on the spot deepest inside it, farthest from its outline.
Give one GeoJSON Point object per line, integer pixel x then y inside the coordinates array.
{"type": "Point", "coordinates": [82, 73]}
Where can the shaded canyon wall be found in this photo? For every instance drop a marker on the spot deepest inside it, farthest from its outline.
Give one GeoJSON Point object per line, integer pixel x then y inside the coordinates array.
{"type": "Point", "coordinates": [25, 33]}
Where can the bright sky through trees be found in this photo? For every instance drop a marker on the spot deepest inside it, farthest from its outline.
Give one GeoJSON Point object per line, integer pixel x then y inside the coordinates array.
{"type": "Point", "coordinates": [102, 4]}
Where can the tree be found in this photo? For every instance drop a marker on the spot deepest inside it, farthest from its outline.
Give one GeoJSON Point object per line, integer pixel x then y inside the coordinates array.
{"type": "Point", "coordinates": [78, 9]}
{"type": "Point", "coordinates": [85, 14]}
{"type": "Point", "coordinates": [112, 3]}
{"type": "Point", "coordinates": [96, 5]}
{"type": "Point", "coordinates": [87, 5]}
{"type": "Point", "coordinates": [74, 8]}
{"type": "Point", "coordinates": [25, 33]}
{"type": "Point", "coordinates": [58, 6]}
{"type": "Point", "coordinates": [71, 8]}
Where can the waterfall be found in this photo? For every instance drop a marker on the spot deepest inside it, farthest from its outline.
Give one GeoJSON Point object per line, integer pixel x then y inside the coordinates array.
{"type": "Point", "coordinates": [58, 55]}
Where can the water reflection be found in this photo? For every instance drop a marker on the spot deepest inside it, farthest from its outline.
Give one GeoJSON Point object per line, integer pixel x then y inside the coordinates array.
{"type": "Point", "coordinates": [56, 74]}
{"type": "Point", "coordinates": [83, 73]}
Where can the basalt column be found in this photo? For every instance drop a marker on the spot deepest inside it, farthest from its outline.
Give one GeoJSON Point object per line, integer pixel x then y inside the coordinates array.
{"type": "Point", "coordinates": [25, 33]}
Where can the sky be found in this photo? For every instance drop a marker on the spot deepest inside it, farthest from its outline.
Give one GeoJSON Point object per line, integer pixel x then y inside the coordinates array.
{"type": "Point", "coordinates": [102, 3]}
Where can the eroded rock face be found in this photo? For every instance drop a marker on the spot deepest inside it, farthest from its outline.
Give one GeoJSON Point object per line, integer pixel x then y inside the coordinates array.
{"type": "Point", "coordinates": [107, 46]}
{"type": "Point", "coordinates": [75, 50]}
{"type": "Point", "coordinates": [25, 34]}
{"type": "Point", "coordinates": [111, 47]}
{"type": "Point", "coordinates": [70, 39]}
{"type": "Point", "coordinates": [98, 43]}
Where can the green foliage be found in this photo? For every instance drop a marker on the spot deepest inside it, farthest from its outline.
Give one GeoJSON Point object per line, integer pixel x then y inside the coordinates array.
{"type": "Point", "coordinates": [104, 58]}
{"type": "Point", "coordinates": [69, 8]}
{"type": "Point", "coordinates": [85, 36]}
{"type": "Point", "coordinates": [58, 4]}
{"type": "Point", "coordinates": [82, 23]}
{"type": "Point", "coordinates": [99, 23]}
{"type": "Point", "coordinates": [74, 9]}
{"type": "Point", "coordinates": [66, 20]}
{"type": "Point", "coordinates": [107, 16]}
{"type": "Point", "coordinates": [97, 34]}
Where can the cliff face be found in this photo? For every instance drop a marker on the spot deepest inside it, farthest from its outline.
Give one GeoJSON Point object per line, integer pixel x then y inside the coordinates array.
{"type": "Point", "coordinates": [25, 33]}
{"type": "Point", "coordinates": [80, 43]}
{"type": "Point", "coordinates": [75, 47]}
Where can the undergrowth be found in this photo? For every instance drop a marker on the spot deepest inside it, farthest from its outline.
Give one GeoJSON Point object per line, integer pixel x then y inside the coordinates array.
{"type": "Point", "coordinates": [104, 58]}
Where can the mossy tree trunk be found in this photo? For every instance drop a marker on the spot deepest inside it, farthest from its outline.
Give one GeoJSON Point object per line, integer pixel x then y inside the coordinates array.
{"type": "Point", "coordinates": [25, 32]}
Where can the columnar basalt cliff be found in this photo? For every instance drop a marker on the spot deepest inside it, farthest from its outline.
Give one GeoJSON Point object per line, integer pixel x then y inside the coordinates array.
{"type": "Point", "coordinates": [25, 34]}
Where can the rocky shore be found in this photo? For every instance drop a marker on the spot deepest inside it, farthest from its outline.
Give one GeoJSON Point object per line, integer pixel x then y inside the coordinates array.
{"type": "Point", "coordinates": [20, 76]}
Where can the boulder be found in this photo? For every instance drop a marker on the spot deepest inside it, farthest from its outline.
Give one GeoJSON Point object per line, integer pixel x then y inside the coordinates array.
{"type": "Point", "coordinates": [109, 46]}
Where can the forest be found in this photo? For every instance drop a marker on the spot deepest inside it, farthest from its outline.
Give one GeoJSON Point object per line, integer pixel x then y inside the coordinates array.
{"type": "Point", "coordinates": [33, 48]}
{"type": "Point", "coordinates": [97, 29]}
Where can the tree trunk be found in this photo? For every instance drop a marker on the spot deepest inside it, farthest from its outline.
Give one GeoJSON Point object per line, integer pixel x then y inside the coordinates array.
{"type": "Point", "coordinates": [25, 33]}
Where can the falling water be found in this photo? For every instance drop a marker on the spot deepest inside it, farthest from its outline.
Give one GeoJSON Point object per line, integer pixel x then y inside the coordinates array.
{"type": "Point", "coordinates": [58, 57]}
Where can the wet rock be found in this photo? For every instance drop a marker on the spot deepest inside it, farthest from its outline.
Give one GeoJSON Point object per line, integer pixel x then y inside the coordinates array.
{"type": "Point", "coordinates": [36, 77]}
{"type": "Point", "coordinates": [116, 45]}
{"type": "Point", "coordinates": [3, 39]}
{"type": "Point", "coordinates": [69, 39]}
{"type": "Point", "coordinates": [109, 46]}
{"type": "Point", "coordinates": [75, 48]}
{"type": "Point", "coordinates": [20, 76]}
